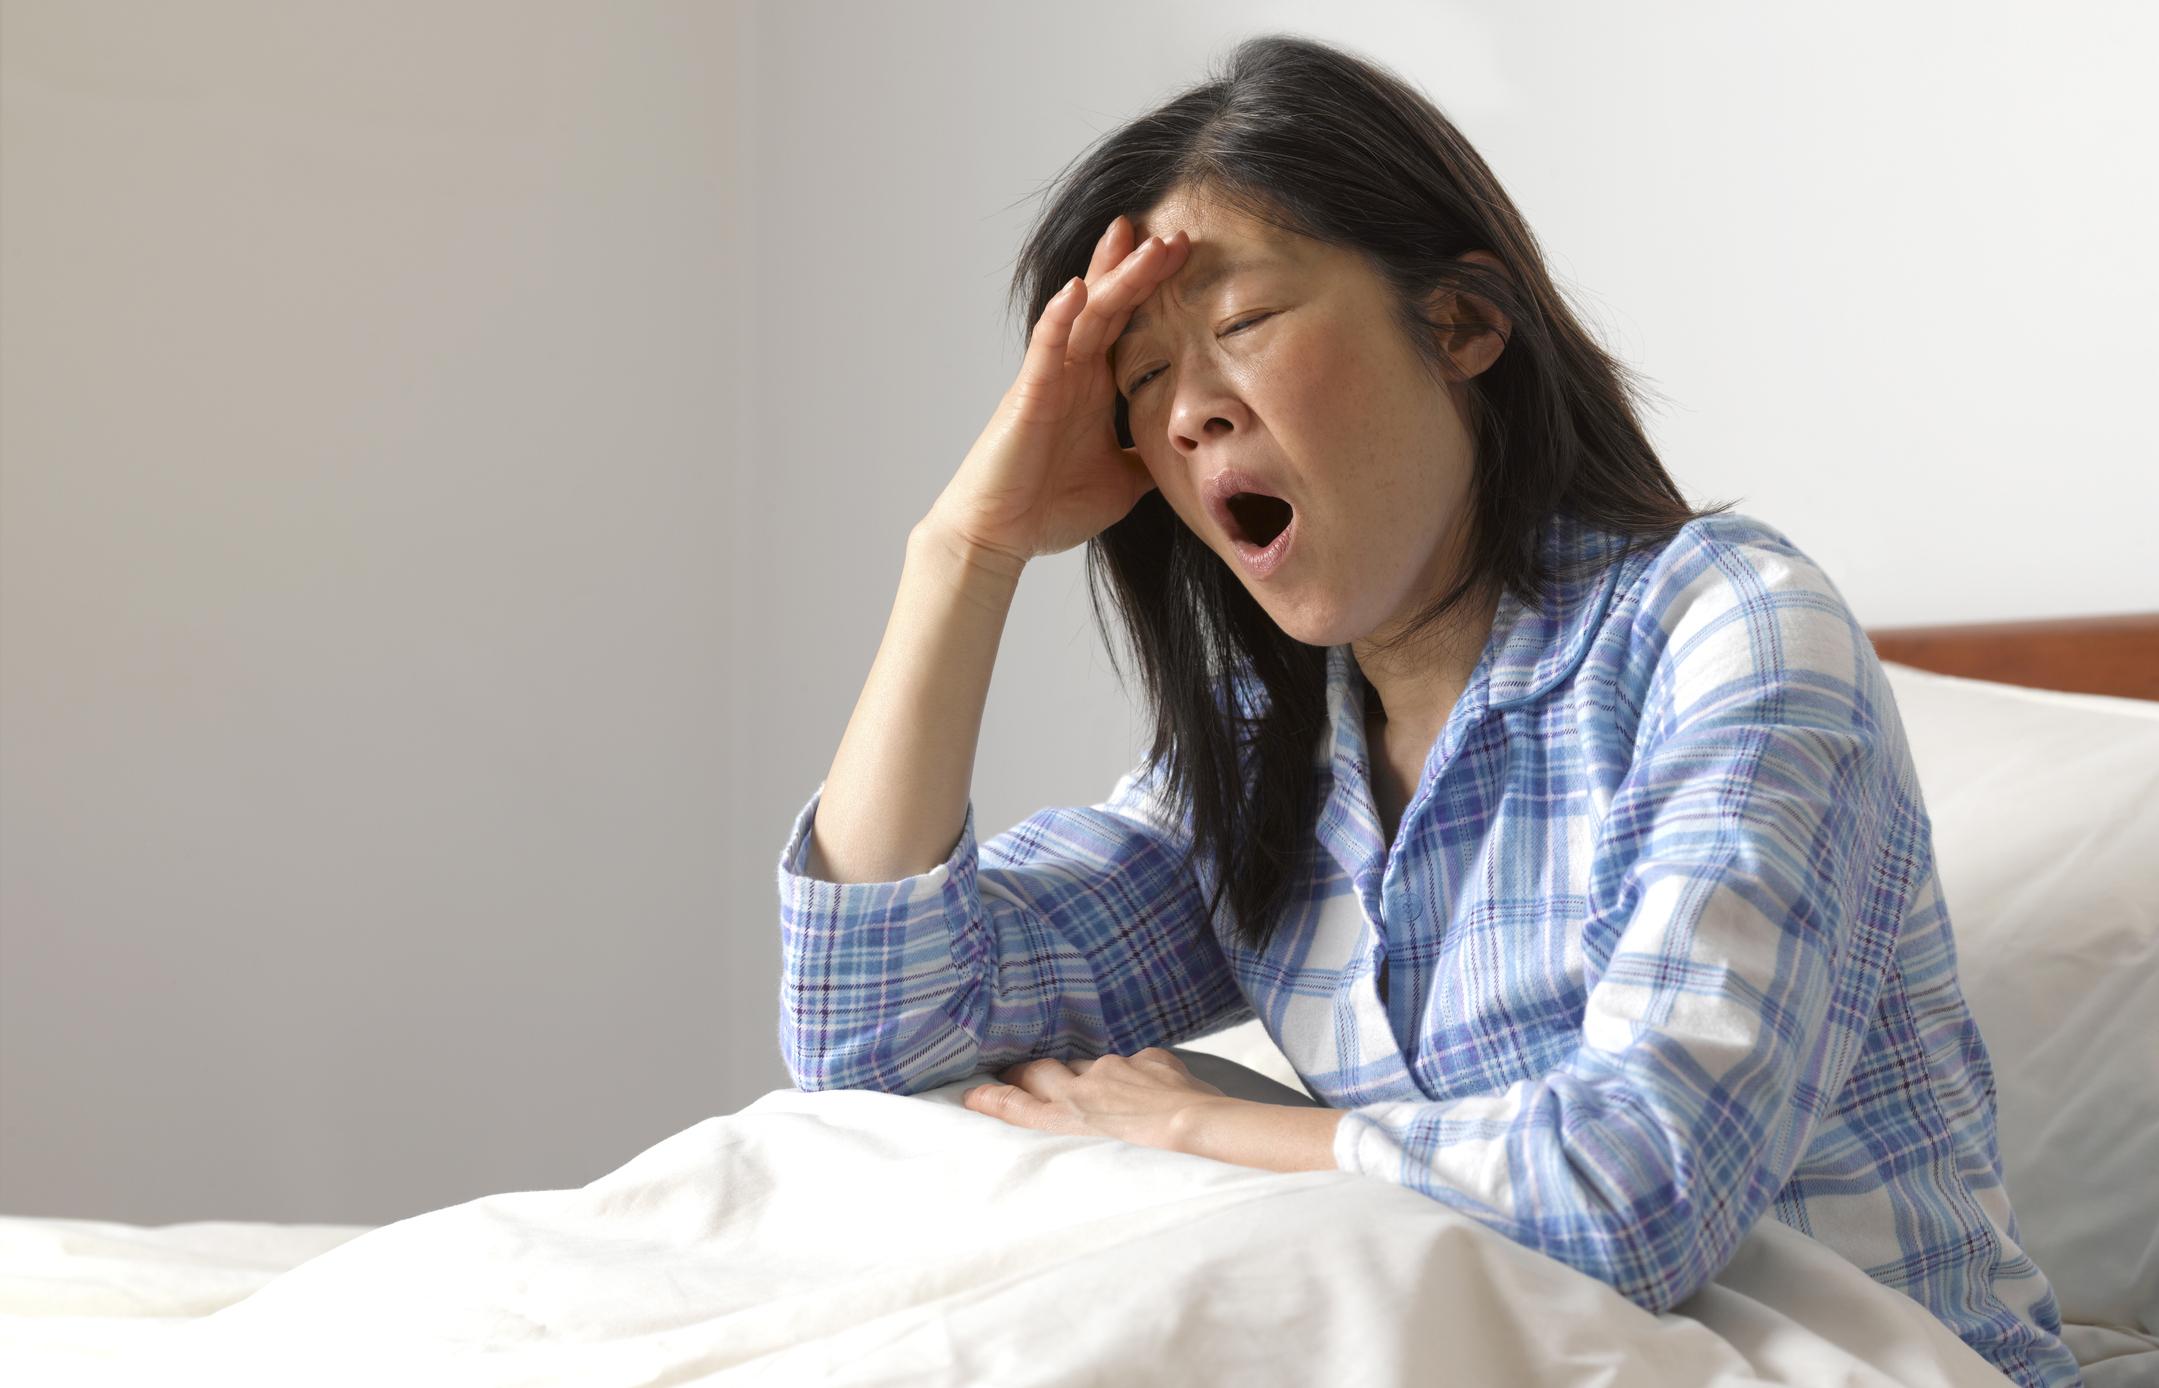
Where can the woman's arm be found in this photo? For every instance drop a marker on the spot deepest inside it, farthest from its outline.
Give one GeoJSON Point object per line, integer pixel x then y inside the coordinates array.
{"type": "Point", "coordinates": [898, 786]}
{"type": "Point", "coordinates": [1745, 897]}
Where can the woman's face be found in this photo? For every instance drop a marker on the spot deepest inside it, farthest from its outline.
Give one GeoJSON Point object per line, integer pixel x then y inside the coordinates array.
{"type": "Point", "coordinates": [1291, 368]}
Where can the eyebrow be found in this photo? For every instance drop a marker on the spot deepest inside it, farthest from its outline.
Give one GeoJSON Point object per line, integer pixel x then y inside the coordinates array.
{"type": "Point", "coordinates": [1200, 283]}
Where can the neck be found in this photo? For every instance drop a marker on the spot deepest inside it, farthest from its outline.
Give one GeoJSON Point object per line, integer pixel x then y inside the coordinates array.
{"type": "Point", "coordinates": [1416, 685]}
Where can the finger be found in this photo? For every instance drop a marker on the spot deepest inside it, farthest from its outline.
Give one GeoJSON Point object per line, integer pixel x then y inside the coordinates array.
{"type": "Point", "coordinates": [1116, 293]}
{"type": "Point", "coordinates": [1006, 1101]}
{"type": "Point", "coordinates": [1034, 1072]}
{"type": "Point", "coordinates": [982, 1097]}
{"type": "Point", "coordinates": [1051, 344]}
{"type": "Point", "coordinates": [1065, 306]}
{"type": "Point", "coordinates": [1111, 302]}
{"type": "Point", "coordinates": [1115, 244]}
{"type": "Point", "coordinates": [1045, 1079]}
{"type": "Point", "coordinates": [1047, 344]}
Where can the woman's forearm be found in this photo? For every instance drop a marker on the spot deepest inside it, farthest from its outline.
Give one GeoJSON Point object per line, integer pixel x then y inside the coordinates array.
{"type": "Point", "coordinates": [896, 796]}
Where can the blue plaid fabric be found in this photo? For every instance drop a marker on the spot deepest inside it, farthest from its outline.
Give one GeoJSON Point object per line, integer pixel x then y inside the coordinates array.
{"type": "Point", "coordinates": [1666, 948]}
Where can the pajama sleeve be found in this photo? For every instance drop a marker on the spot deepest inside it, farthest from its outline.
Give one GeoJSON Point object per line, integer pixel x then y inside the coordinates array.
{"type": "Point", "coordinates": [1743, 902]}
{"type": "Point", "coordinates": [1075, 933]}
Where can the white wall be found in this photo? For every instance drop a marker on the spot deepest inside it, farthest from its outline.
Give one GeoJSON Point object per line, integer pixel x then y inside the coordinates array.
{"type": "Point", "coordinates": [455, 457]}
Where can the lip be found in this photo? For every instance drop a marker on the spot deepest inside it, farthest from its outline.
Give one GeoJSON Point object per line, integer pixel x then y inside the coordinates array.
{"type": "Point", "coordinates": [1262, 562]}
{"type": "Point", "coordinates": [1258, 561]}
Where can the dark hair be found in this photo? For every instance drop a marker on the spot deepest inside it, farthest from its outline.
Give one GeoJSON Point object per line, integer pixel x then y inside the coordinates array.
{"type": "Point", "coordinates": [1316, 141]}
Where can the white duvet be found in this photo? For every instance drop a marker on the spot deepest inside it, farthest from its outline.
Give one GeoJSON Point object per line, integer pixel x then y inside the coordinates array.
{"type": "Point", "coordinates": [856, 1237]}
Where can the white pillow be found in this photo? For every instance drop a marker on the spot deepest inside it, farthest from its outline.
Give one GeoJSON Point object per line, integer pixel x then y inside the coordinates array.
{"type": "Point", "coordinates": [2045, 812]}
{"type": "Point", "coordinates": [2045, 809]}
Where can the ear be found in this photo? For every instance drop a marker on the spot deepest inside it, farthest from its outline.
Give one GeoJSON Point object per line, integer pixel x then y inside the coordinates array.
{"type": "Point", "coordinates": [1477, 342]}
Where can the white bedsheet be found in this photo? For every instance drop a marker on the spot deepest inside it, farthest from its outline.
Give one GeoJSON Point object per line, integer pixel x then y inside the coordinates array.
{"type": "Point", "coordinates": [856, 1237]}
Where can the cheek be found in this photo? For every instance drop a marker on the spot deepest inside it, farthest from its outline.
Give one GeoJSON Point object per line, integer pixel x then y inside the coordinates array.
{"type": "Point", "coordinates": [1191, 511]}
{"type": "Point", "coordinates": [1176, 488]}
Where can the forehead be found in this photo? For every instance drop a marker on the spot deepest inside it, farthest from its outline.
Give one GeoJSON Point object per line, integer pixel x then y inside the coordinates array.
{"type": "Point", "coordinates": [1224, 244]}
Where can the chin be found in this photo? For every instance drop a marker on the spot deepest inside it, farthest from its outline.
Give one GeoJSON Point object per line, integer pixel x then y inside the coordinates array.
{"type": "Point", "coordinates": [1313, 628]}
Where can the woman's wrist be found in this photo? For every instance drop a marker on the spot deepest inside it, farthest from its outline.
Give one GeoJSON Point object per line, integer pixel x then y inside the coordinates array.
{"type": "Point", "coordinates": [985, 573]}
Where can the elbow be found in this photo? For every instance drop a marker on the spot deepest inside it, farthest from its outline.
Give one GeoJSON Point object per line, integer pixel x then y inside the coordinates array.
{"type": "Point", "coordinates": [1645, 1251]}
{"type": "Point", "coordinates": [836, 1069]}
{"type": "Point", "coordinates": [908, 1057]}
{"type": "Point", "coordinates": [816, 1068]}
{"type": "Point", "coordinates": [1657, 1242]}
{"type": "Point", "coordinates": [815, 1071]}
{"type": "Point", "coordinates": [1657, 1285]}
{"type": "Point", "coordinates": [1663, 1249]}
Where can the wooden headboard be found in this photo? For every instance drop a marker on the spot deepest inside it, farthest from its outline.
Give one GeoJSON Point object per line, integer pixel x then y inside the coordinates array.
{"type": "Point", "coordinates": [2116, 655]}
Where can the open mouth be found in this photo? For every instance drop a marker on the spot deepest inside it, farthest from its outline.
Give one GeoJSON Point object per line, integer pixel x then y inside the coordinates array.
{"type": "Point", "coordinates": [1262, 527]}
{"type": "Point", "coordinates": [1258, 518]}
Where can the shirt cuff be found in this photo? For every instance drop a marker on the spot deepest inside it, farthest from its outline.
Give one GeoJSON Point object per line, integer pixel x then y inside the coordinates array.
{"type": "Point", "coordinates": [1349, 1138]}
{"type": "Point", "coordinates": [1372, 1139]}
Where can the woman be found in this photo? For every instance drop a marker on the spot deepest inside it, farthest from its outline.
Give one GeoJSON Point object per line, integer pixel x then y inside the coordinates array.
{"type": "Point", "coordinates": [1564, 837]}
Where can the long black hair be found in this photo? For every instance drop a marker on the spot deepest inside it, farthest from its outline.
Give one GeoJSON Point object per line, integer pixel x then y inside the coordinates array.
{"type": "Point", "coordinates": [1317, 141]}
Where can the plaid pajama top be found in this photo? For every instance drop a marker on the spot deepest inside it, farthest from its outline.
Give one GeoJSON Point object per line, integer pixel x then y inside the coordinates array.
{"type": "Point", "coordinates": [1668, 949]}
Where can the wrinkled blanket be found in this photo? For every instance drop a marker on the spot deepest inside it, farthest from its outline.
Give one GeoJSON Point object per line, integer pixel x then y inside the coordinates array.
{"type": "Point", "coordinates": [856, 1237]}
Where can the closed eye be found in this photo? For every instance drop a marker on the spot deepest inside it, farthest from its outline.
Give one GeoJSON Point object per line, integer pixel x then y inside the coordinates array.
{"type": "Point", "coordinates": [1237, 326]}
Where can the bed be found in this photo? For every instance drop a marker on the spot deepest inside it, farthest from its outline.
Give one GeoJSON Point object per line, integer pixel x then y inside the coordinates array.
{"type": "Point", "coordinates": [856, 1237]}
